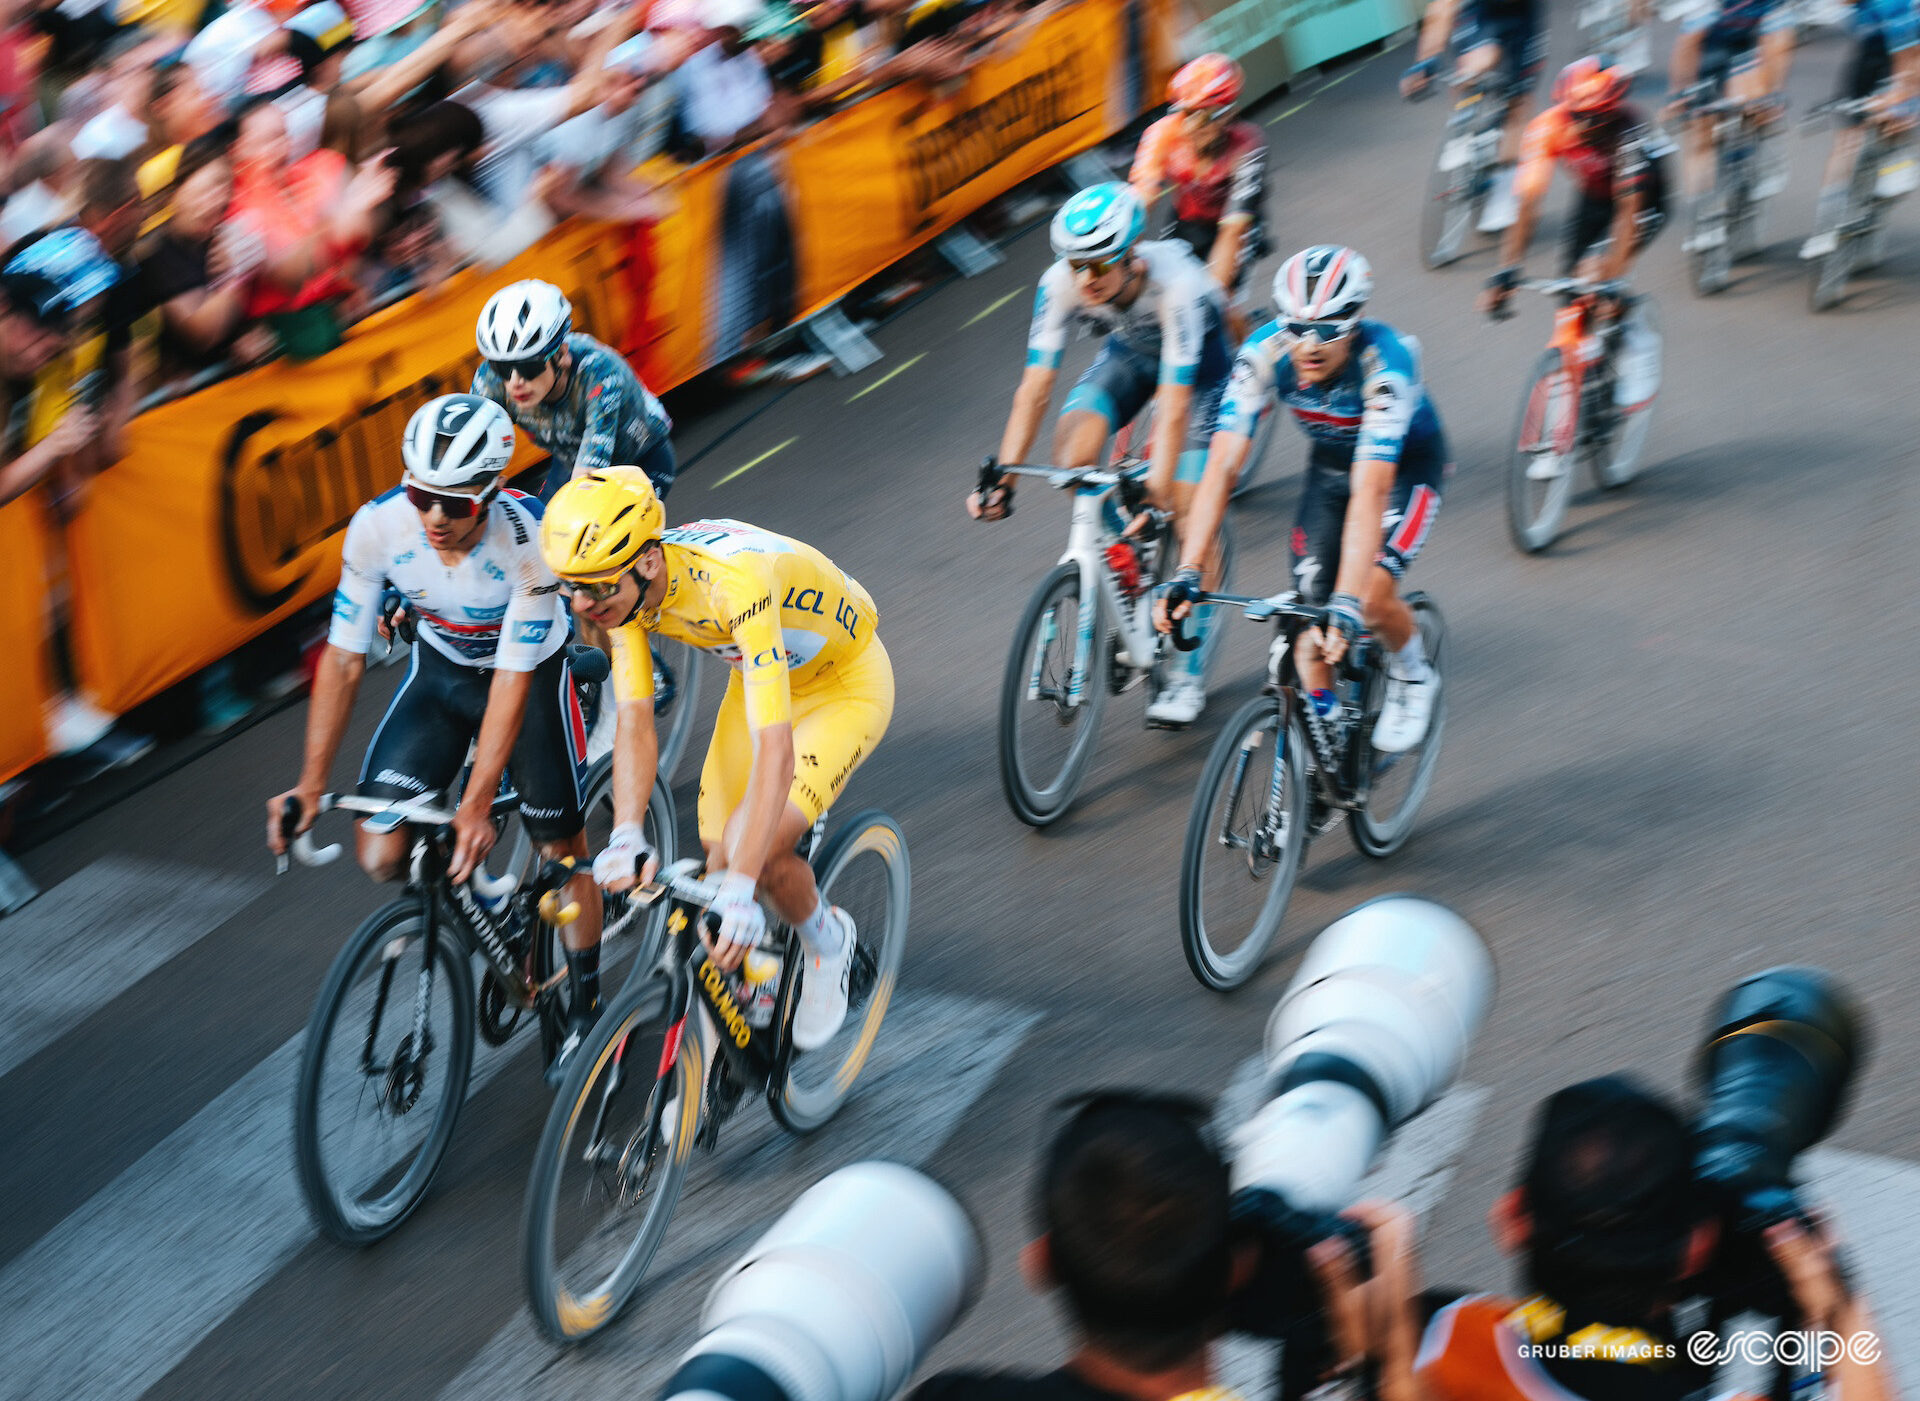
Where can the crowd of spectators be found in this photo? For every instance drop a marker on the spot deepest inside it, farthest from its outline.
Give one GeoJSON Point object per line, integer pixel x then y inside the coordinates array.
{"type": "Point", "coordinates": [236, 180]}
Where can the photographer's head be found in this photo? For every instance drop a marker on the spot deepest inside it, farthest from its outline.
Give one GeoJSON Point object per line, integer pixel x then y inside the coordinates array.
{"type": "Point", "coordinates": [1608, 1217]}
{"type": "Point", "coordinates": [1133, 1220]}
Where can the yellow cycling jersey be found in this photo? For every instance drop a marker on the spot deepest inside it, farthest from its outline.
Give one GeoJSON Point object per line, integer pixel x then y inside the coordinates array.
{"type": "Point", "coordinates": [775, 609]}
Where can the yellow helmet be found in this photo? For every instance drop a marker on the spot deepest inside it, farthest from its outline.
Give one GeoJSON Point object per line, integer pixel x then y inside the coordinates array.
{"type": "Point", "coordinates": [597, 524]}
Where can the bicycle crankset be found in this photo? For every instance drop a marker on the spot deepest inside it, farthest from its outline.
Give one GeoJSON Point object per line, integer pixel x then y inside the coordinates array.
{"type": "Point", "coordinates": [499, 1013]}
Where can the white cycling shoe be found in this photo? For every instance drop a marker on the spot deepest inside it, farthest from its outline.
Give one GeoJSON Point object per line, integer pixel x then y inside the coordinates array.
{"type": "Point", "coordinates": [1502, 206]}
{"type": "Point", "coordinates": [1547, 467]}
{"type": "Point", "coordinates": [1407, 713]}
{"type": "Point", "coordinates": [1820, 244]}
{"type": "Point", "coordinates": [1178, 704]}
{"type": "Point", "coordinates": [822, 1008]}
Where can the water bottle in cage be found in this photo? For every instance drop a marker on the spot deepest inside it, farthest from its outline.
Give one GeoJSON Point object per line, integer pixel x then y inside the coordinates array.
{"type": "Point", "coordinates": [1124, 560]}
{"type": "Point", "coordinates": [757, 988]}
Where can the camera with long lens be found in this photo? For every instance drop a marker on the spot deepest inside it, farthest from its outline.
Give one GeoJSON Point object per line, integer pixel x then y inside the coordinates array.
{"type": "Point", "coordinates": [1781, 1051]}
{"type": "Point", "coordinates": [842, 1296]}
{"type": "Point", "coordinates": [1374, 1027]}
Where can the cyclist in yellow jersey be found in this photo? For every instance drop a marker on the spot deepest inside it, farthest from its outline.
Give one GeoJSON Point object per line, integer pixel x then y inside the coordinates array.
{"type": "Point", "coordinates": [810, 696]}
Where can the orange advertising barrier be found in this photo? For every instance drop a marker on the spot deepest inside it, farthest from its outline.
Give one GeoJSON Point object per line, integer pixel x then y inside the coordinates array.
{"type": "Point", "coordinates": [28, 684]}
{"type": "Point", "coordinates": [226, 516]}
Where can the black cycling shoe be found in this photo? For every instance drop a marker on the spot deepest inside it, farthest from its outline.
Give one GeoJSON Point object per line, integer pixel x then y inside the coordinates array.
{"type": "Point", "coordinates": [579, 1027]}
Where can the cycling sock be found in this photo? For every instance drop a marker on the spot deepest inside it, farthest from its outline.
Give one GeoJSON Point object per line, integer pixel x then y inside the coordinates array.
{"type": "Point", "coordinates": [583, 965]}
{"type": "Point", "coordinates": [1410, 662]}
{"type": "Point", "coordinates": [820, 933]}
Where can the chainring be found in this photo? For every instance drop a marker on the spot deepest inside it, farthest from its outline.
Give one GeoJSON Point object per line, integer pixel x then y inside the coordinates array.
{"type": "Point", "coordinates": [499, 1014]}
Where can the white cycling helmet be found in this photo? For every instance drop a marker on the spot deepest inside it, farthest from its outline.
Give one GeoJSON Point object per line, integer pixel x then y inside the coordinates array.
{"type": "Point", "coordinates": [1099, 224]}
{"type": "Point", "coordinates": [457, 440]}
{"type": "Point", "coordinates": [1323, 283]}
{"type": "Point", "coordinates": [523, 321]}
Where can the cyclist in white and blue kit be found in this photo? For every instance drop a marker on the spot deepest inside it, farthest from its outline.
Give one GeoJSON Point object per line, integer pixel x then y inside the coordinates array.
{"type": "Point", "coordinates": [1164, 321]}
{"type": "Point", "coordinates": [1375, 469]}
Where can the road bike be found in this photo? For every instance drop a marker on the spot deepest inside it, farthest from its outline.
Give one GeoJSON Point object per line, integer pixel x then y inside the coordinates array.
{"type": "Point", "coordinates": [383, 1074]}
{"type": "Point", "coordinates": [670, 1061]}
{"type": "Point", "coordinates": [1087, 633]}
{"type": "Point", "coordinates": [1884, 172]}
{"type": "Point", "coordinates": [1279, 775]}
{"type": "Point", "coordinates": [1727, 225]}
{"type": "Point", "coordinates": [1573, 415]}
{"type": "Point", "coordinates": [1464, 172]}
{"type": "Point", "coordinates": [1607, 27]}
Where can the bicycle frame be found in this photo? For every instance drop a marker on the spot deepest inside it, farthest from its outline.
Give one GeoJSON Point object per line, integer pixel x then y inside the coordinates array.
{"type": "Point", "coordinates": [1087, 539]}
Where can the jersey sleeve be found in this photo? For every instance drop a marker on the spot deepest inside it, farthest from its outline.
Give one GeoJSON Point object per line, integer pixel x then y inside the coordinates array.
{"type": "Point", "coordinates": [527, 630]}
{"type": "Point", "coordinates": [632, 663]}
{"type": "Point", "coordinates": [1900, 24]}
{"type": "Point", "coordinates": [363, 571]}
{"type": "Point", "coordinates": [1149, 173]}
{"type": "Point", "coordinates": [1247, 195]}
{"type": "Point", "coordinates": [747, 596]}
{"type": "Point", "coordinates": [1539, 149]}
{"type": "Point", "coordinates": [1250, 388]}
{"type": "Point", "coordinates": [1052, 318]}
{"type": "Point", "coordinates": [1185, 306]}
{"type": "Point", "coordinates": [608, 405]}
{"type": "Point", "coordinates": [1390, 394]}
{"type": "Point", "coordinates": [488, 386]}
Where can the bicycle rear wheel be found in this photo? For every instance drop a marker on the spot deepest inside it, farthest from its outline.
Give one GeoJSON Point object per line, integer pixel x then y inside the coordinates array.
{"type": "Point", "coordinates": [1453, 198]}
{"type": "Point", "coordinates": [1400, 781]}
{"type": "Point", "coordinates": [373, 1113]}
{"type": "Point", "coordinates": [611, 1162]}
{"type": "Point", "coordinates": [863, 869]}
{"type": "Point", "coordinates": [1618, 460]}
{"type": "Point", "coordinates": [1246, 836]}
{"type": "Point", "coordinates": [1047, 734]}
{"type": "Point", "coordinates": [1540, 476]}
{"type": "Point", "coordinates": [1827, 285]}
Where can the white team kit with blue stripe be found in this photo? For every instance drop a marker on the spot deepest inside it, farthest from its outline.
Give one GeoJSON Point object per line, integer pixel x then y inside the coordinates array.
{"type": "Point", "coordinates": [498, 607]}
{"type": "Point", "coordinates": [1373, 409]}
{"type": "Point", "coordinates": [1176, 312]}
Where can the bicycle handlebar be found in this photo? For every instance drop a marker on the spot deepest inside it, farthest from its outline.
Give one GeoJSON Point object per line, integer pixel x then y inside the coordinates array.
{"type": "Point", "coordinates": [419, 810]}
{"type": "Point", "coordinates": [1257, 610]}
{"type": "Point", "coordinates": [679, 882]}
{"type": "Point", "coordinates": [1576, 287]}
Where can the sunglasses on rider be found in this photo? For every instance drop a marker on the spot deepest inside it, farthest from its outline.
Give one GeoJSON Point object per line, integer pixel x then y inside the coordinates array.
{"type": "Point", "coordinates": [1205, 114]}
{"type": "Point", "coordinates": [1323, 332]}
{"type": "Point", "coordinates": [528, 370]}
{"type": "Point", "coordinates": [599, 590]}
{"type": "Point", "coordinates": [1093, 269]}
{"type": "Point", "coordinates": [454, 505]}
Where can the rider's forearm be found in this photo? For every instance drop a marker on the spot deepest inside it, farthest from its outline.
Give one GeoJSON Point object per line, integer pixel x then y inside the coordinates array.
{"type": "Point", "coordinates": [1225, 455]}
{"type": "Point", "coordinates": [1620, 237]}
{"type": "Point", "coordinates": [1906, 74]}
{"type": "Point", "coordinates": [1030, 402]}
{"type": "Point", "coordinates": [1684, 63]}
{"type": "Point", "coordinates": [636, 761]}
{"type": "Point", "coordinates": [1435, 27]}
{"type": "Point", "coordinates": [1225, 256]}
{"type": "Point", "coordinates": [499, 728]}
{"type": "Point", "coordinates": [1519, 235]}
{"type": "Point", "coordinates": [1360, 536]}
{"type": "Point", "coordinates": [336, 681]}
{"type": "Point", "coordinates": [766, 801]}
{"type": "Point", "coordinates": [1172, 407]}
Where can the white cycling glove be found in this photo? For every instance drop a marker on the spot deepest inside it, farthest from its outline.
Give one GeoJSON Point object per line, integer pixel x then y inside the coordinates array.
{"type": "Point", "coordinates": [742, 921]}
{"type": "Point", "coordinates": [626, 855]}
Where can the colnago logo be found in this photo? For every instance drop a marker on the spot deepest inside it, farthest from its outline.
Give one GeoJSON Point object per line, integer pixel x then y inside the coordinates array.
{"type": "Point", "coordinates": [721, 996]}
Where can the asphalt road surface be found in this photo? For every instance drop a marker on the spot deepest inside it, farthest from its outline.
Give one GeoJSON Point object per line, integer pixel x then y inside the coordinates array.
{"type": "Point", "coordinates": [1681, 748]}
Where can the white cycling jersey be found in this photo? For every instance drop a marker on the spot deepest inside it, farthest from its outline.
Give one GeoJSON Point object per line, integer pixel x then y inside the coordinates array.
{"type": "Point", "coordinates": [1168, 320]}
{"type": "Point", "coordinates": [499, 607]}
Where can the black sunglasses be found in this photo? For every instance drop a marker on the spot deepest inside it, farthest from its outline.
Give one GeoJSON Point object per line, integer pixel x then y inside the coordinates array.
{"type": "Point", "coordinates": [1325, 332]}
{"type": "Point", "coordinates": [1097, 269]}
{"type": "Point", "coordinates": [599, 590]}
{"type": "Point", "coordinates": [528, 370]}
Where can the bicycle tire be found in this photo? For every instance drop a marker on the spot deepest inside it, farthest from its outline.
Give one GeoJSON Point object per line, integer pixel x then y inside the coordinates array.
{"type": "Point", "coordinates": [1619, 459]}
{"type": "Point", "coordinates": [1450, 207]}
{"type": "Point", "coordinates": [1032, 803]}
{"type": "Point", "coordinates": [1229, 762]}
{"type": "Point", "coordinates": [1827, 285]}
{"type": "Point", "coordinates": [1549, 421]}
{"type": "Point", "coordinates": [350, 1222]}
{"type": "Point", "coordinates": [796, 1107]}
{"type": "Point", "coordinates": [1372, 835]}
{"type": "Point", "coordinates": [561, 1314]}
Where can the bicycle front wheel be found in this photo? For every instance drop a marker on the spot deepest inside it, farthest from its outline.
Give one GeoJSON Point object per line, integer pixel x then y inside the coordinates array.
{"type": "Point", "coordinates": [1400, 781]}
{"type": "Point", "coordinates": [610, 1165]}
{"type": "Point", "coordinates": [374, 1110]}
{"type": "Point", "coordinates": [1246, 836]}
{"type": "Point", "coordinates": [1050, 711]}
{"type": "Point", "coordinates": [863, 869]}
{"type": "Point", "coordinates": [1540, 476]}
{"type": "Point", "coordinates": [678, 671]}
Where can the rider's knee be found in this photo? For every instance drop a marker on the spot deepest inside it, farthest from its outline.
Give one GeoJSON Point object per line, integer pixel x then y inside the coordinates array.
{"type": "Point", "coordinates": [383, 868]}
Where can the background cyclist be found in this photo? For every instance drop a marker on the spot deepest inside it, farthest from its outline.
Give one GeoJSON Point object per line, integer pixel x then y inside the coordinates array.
{"type": "Point", "coordinates": [491, 663]}
{"type": "Point", "coordinates": [1163, 317]}
{"type": "Point", "coordinates": [1217, 170]}
{"type": "Point", "coordinates": [1885, 66]}
{"type": "Point", "coordinates": [1374, 473]}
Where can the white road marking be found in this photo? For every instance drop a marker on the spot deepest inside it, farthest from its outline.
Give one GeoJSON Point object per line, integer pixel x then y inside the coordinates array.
{"type": "Point", "coordinates": [936, 1055]}
{"type": "Point", "coordinates": [98, 933]}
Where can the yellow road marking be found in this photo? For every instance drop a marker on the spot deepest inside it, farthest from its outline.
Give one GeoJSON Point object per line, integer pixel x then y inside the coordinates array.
{"type": "Point", "coordinates": [991, 309]}
{"type": "Point", "coordinates": [896, 370]}
{"type": "Point", "coordinates": [749, 466]}
{"type": "Point", "coordinates": [1275, 121]}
